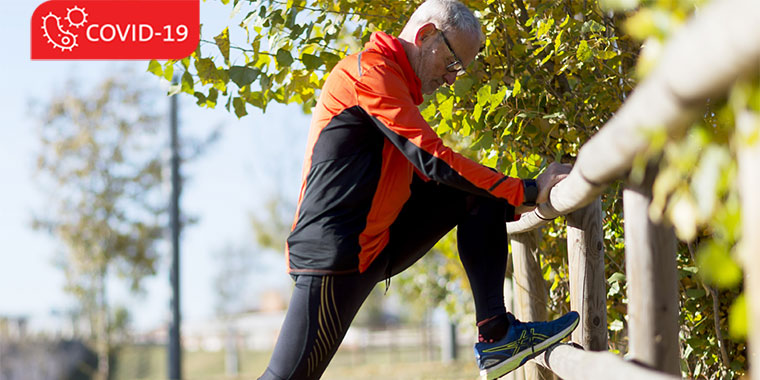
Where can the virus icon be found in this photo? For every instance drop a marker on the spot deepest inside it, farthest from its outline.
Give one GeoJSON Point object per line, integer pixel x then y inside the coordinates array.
{"type": "Point", "coordinates": [56, 35]}
{"type": "Point", "coordinates": [76, 17]}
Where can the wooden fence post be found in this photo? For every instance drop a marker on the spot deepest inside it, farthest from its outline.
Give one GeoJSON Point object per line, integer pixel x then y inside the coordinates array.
{"type": "Point", "coordinates": [748, 126]}
{"type": "Point", "coordinates": [530, 292]}
{"type": "Point", "coordinates": [588, 291]}
{"type": "Point", "coordinates": [650, 256]}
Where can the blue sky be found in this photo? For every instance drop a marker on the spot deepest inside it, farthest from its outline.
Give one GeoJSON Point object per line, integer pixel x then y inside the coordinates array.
{"type": "Point", "coordinates": [254, 157]}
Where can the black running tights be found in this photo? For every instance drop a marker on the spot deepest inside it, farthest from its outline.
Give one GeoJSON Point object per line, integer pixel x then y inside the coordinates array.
{"type": "Point", "coordinates": [322, 307]}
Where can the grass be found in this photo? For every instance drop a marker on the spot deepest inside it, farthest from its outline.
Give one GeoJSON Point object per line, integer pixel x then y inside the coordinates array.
{"type": "Point", "coordinates": [140, 362]}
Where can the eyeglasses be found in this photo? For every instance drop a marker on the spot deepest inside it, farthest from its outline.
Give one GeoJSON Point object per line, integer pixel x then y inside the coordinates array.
{"type": "Point", "coordinates": [457, 66]}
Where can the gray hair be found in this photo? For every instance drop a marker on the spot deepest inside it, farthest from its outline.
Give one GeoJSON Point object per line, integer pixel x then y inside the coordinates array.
{"type": "Point", "coordinates": [447, 15]}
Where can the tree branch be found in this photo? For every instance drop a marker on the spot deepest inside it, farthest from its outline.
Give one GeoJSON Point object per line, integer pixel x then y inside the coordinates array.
{"type": "Point", "coordinates": [344, 13]}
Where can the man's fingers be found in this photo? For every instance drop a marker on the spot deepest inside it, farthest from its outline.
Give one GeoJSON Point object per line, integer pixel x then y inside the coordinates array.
{"type": "Point", "coordinates": [558, 177]}
{"type": "Point", "coordinates": [558, 168]}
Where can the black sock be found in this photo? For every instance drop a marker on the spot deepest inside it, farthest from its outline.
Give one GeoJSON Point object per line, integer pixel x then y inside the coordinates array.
{"type": "Point", "coordinates": [493, 329]}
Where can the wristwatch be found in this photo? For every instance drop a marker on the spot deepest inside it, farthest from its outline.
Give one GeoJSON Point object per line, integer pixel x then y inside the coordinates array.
{"type": "Point", "coordinates": [531, 192]}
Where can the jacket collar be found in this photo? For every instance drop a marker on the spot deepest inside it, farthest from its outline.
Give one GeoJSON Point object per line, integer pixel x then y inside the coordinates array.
{"type": "Point", "coordinates": [391, 47]}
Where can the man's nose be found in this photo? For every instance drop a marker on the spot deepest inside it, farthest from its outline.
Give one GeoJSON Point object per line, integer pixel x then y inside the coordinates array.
{"type": "Point", "coordinates": [450, 78]}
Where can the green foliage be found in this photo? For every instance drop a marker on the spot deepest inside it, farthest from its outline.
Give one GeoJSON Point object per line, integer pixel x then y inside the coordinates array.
{"type": "Point", "coordinates": [550, 75]}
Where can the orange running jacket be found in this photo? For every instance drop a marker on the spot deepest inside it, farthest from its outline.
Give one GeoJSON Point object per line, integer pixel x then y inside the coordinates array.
{"type": "Point", "coordinates": [367, 140]}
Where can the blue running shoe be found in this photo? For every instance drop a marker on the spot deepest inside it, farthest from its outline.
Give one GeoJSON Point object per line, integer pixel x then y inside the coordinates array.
{"type": "Point", "coordinates": [524, 340]}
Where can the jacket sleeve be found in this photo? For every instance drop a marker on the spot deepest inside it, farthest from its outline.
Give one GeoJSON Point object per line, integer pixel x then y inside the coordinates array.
{"type": "Point", "coordinates": [382, 92]}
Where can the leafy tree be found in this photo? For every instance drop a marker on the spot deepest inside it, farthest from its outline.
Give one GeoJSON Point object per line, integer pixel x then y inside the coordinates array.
{"type": "Point", "coordinates": [100, 162]}
{"type": "Point", "coordinates": [551, 74]}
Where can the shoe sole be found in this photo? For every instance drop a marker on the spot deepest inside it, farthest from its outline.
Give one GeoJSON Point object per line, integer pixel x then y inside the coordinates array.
{"type": "Point", "coordinates": [521, 357]}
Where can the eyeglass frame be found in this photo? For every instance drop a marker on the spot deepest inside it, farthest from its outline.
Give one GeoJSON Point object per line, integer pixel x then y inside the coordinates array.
{"type": "Point", "coordinates": [452, 67]}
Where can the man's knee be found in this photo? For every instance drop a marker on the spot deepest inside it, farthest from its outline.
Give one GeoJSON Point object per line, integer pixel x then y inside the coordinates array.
{"type": "Point", "coordinates": [484, 208]}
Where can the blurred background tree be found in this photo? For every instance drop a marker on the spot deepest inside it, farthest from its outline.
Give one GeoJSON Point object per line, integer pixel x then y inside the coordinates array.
{"type": "Point", "coordinates": [100, 161]}
{"type": "Point", "coordinates": [550, 75]}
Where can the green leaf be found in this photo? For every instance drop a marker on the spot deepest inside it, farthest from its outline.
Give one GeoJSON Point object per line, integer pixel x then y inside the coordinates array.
{"type": "Point", "coordinates": [565, 21]}
{"type": "Point", "coordinates": [265, 81]}
{"type": "Point", "coordinates": [330, 59]}
{"type": "Point", "coordinates": [695, 293]}
{"type": "Point", "coordinates": [243, 75]}
{"type": "Point", "coordinates": [606, 54]}
{"type": "Point", "coordinates": [517, 89]}
{"type": "Point", "coordinates": [498, 97]}
{"type": "Point", "coordinates": [616, 277]}
{"type": "Point", "coordinates": [429, 111]}
{"type": "Point", "coordinates": [614, 289]}
{"type": "Point", "coordinates": [462, 87]}
{"type": "Point", "coordinates": [207, 70]}
{"type": "Point", "coordinates": [484, 95]}
{"type": "Point", "coordinates": [485, 141]}
{"type": "Point", "coordinates": [239, 106]}
{"type": "Point", "coordinates": [201, 99]}
{"type": "Point", "coordinates": [593, 27]}
{"type": "Point", "coordinates": [169, 73]}
{"type": "Point", "coordinates": [466, 127]}
{"type": "Point", "coordinates": [717, 266]}
{"type": "Point", "coordinates": [276, 18]}
{"type": "Point", "coordinates": [618, 5]}
{"type": "Point", "coordinates": [174, 90]}
{"type": "Point", "coordinates": [443, 127]}
{"type": "Point", "coordinates": [223, 43]}
{"type": "Point", "coordinates": [544, 27]}
{"type": "Point", "coordinates": [500, 115]}
{"type": "Point", "coordinates": [155, 68]}
{"type": "Point", "coordinates": [547, 58]}
{"type": "Point", "coordinates": [187, 83]}
{"type": "Point", "coordinates": [213, 95]}
{"type": "Point", "coordinates": [584, 53]}
{"type": "Point", "coordinates": [477, 112]}
{"type": "Point", "coordinates": [447, 108]}
{"type": "Point", "coordinates": [738, 318]}
{"type": "Point", "coordinates": [312, 62]}
{"type": "Point", "coordinates": [284, 59]}
{"type": "Point", "coordinates": [558, 41]}
{"type": "Point", "coordinates": [490, 159]}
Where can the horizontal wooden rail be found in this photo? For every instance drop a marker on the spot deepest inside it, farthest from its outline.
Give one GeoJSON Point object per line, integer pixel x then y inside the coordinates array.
{"type": "Point", "coordinates": [718, 46]}
{"type": "Point", "coordinates": [572, 363]}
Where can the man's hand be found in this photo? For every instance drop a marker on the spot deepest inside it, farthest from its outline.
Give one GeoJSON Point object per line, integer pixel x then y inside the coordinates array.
{"type": "Point", "coordinates": [551, 176]}
{"type": "Point", "coordinates": [544, 182]}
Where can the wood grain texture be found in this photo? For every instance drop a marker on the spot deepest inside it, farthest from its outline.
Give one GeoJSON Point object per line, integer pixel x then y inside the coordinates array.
{"type": "Point", "coordinates": [572, 363]}
{"type": "Point", "coordinates": [651, 271]}
{"type": "Point", "coordinates": [530, 292]}
{"type": "Point", "coordinates": [588, 290]}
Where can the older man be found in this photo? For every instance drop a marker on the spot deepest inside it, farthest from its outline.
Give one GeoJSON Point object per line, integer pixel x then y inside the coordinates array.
{"type": "Point", "coordinates": [380, 189]}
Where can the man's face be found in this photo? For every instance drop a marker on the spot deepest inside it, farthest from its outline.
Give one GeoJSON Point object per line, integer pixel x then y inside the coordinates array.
{"type": "Point", "coordinates": [442, 57]}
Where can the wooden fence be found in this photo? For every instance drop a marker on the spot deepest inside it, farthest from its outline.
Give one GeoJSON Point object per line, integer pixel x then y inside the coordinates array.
{"type": "Point", "coordinates": [715, 49]}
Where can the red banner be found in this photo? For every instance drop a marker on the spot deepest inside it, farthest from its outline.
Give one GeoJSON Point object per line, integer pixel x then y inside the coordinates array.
{"type": "Point", "coordinates": [115, 29]}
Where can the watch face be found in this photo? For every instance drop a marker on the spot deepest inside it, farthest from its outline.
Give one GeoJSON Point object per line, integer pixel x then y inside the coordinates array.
{"type": "Point", "coordinates": [531, 192]}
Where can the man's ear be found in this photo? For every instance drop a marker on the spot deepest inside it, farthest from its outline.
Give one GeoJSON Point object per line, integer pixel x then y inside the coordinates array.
{"type": "Point", "coordinates": [424, 32]}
